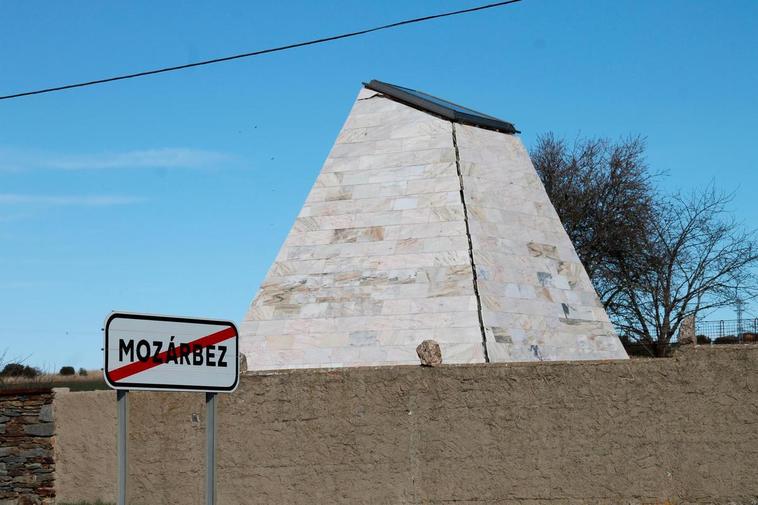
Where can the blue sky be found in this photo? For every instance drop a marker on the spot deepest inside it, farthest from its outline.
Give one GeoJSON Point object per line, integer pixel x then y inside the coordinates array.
{"type": "Point", "coordinates": [173, 193]}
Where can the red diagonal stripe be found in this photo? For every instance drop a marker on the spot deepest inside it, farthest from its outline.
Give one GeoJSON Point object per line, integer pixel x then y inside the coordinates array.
{"type": "Point", "coordinates": [140, 366]}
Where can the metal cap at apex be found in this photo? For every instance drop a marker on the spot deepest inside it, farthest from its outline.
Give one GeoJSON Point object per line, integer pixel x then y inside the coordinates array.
{"type": "Point", "coordinates": [170, 353]}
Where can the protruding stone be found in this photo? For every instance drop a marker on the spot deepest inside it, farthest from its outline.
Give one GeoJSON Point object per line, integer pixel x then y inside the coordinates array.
{"type": "Point", "coordinates": [430, 353]}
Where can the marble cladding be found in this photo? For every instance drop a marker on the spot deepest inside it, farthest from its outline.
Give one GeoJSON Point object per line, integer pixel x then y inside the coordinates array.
{"type": "Point", "coordinates": [537, 300]}
{"type": "Point", "coordinates": [378, 259]}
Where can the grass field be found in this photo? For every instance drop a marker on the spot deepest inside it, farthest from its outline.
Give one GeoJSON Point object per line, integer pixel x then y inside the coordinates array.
{"type": "Point", "coordinates": [90, 382]}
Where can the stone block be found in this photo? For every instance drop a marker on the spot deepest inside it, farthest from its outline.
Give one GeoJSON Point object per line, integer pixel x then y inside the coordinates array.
{"type": "Point", "coordinates": [46, 413]}
{"type": "Point", "coordinates": [40, 429]}
{"type": "Point", "coordinates": [45, 476]}
{"type": "Point", "coordinates": [362, 338]}
{"type": "Point", "coordinates": [36, 452]}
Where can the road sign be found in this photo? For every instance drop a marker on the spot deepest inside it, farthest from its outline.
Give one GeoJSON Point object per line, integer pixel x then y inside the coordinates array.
{"type": "Point", "coordinates": [169, 353]}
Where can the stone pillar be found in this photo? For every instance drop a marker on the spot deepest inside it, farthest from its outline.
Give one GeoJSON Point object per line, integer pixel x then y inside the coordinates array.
{"type": "Point", "coordinates": [687, 331]}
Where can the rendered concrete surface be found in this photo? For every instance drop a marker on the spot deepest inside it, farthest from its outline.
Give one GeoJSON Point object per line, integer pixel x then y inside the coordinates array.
{"type": "Point", "coordinates": [676, 430]}
{"type": "Point", "coordinates": [418, 228]}
{"type": "Point", "coordinates": [85, 448]}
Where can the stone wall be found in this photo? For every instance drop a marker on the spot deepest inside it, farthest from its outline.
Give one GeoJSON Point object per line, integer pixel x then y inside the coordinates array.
{"type": "Point", "coordinates": [26, 447]}
{"type": "Point", "coordinates": [683, 429]}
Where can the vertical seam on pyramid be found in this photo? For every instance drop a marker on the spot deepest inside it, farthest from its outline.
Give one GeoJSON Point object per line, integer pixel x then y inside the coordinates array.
{"type": "Point", "coordinates": [470, 246]}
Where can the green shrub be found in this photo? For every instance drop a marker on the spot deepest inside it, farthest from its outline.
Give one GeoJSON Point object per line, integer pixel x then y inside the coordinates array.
{"type": "Point", "coordinates": [67, 370]}
{"type": "Point", "coordinates": [83, 371]}
{"type": "Point", "coordinates": [729, 339]}
{"type": "Point", "coordinates": [19, 370]}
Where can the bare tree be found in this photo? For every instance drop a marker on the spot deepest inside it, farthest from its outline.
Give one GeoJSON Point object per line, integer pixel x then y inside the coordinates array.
{"type": "Point", "coordinates": [602, 190]}
{"type": "Point", "coordinates": [652, 259]}
{"type": "Point", "coordinates": [696, 258]}
{"type": "Point", "coordinates": [3, 354]}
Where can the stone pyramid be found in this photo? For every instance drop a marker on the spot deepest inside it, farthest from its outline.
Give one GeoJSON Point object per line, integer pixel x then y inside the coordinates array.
{"type": "Point", "coordinates": [427, 221]}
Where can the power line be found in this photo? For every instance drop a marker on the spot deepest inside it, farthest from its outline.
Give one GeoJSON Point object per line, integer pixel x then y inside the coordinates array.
{"type": "Point", "coordinates": [258, 53]}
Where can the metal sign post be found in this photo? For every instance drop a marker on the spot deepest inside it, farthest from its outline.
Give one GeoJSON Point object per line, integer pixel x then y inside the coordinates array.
{"type": "Point", "coordinates": [167, 353]}
{"type": "Point", "coordinates": [210, 449]}
{"type": "Point", "coordinates": [123, 412]}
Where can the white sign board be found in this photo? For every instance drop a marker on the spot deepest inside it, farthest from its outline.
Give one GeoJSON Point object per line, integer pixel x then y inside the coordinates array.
{"type": "Point", "coordinates": [168, 353]}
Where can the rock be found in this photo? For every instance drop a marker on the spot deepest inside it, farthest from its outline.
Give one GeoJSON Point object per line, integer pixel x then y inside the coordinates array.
{"type": "Point", "coordinates": [46, 413]}
{"type": "Point", "coordinates": [430, 353]}
{"type": "Point", "coordinates": [243, 363]}
{"type": "Point", "coordinates": [40, 430]}
{"type": "Point", "coordinates": [44, 477]}
{"type": "Point", "coordinates": [36, 452]}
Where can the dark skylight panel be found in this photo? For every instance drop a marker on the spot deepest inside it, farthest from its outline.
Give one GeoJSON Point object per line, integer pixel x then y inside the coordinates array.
{"type": "Point", "coordinates": [446, 109]}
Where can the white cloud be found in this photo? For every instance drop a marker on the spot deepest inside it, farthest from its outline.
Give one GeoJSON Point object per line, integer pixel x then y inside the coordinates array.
{"type": "Point", "coordinates": [67, 200]}
{"type": "Point", "coordinates": [171, 158]}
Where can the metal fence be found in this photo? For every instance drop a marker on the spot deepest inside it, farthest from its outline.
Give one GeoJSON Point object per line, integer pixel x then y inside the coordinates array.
{"type": "Point", "coordinates": [708, 332]}
{"type": "Point", "coordinates": [736, 329]}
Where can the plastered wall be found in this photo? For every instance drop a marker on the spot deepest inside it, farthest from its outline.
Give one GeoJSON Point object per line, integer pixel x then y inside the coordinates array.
{"type": "Point", "coordinates": [640, 431]}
